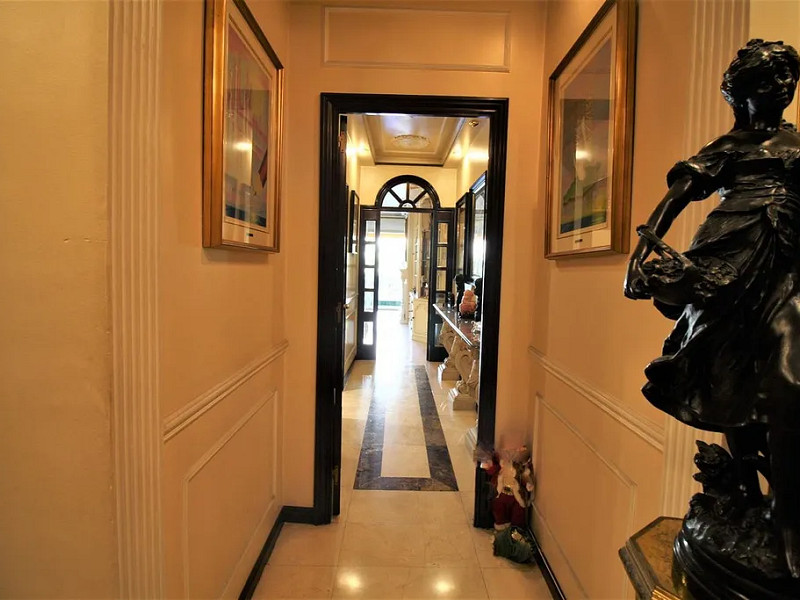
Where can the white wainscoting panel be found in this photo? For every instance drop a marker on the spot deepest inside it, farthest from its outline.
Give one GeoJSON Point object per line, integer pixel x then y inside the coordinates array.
{"type": "Point", "coordinates": [589, 505]}
{"type": "Point", "coordinates": [227, 495]}
{"type": "Point", "coordinates": [649, 431]}
{"type": "Point", "coordinates": [417, 39]}
{"type": "Point", "coordinates": [187, 415]}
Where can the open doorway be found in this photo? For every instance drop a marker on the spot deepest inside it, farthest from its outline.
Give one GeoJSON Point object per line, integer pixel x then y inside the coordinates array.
{"type": "Point", "coordinates": [334, 263]}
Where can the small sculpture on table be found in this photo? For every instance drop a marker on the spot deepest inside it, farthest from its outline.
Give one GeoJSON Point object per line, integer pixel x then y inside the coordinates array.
{"type": "Point", "coordinates": [732, 361]}
{"type": "Point", "coordinates": [469, 303]}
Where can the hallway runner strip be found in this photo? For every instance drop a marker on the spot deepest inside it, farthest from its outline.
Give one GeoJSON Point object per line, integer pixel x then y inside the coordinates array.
{"type": "Point", "coordinates": [368, 474]}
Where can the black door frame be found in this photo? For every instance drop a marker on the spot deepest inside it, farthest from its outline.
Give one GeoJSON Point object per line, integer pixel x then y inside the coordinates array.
{"type": "Point", "coordinates": [329, 305]}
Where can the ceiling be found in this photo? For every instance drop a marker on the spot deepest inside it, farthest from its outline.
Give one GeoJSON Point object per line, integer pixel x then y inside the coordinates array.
{"type": "Point", "coordinates": [400, 139]}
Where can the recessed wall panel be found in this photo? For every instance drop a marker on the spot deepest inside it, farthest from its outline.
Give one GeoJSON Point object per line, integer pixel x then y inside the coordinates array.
{"type": "Point", "coordinates": [570, 472]}
{"type": "Point", "coordinates": [418, 39]}
{"type": "Point", "coordinates": [226, 494]}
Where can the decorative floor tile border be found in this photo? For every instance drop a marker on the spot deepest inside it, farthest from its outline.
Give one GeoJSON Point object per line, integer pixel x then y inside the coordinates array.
{"type": "Point", "coordinates": [368, 474]}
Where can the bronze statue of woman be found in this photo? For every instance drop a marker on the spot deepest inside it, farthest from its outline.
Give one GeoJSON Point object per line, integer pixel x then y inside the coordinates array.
{"type": "Point", "coordinates": [732, 362]}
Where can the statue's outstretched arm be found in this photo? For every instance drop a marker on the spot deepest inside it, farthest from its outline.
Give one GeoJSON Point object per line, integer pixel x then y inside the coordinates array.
{"type": "Point", "coordinates": [682, 191]}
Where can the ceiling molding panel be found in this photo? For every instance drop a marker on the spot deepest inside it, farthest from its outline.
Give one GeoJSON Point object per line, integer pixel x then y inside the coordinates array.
{"type": "Point", "coordinates": [416, 39]}
{"type": "Point", "coordinates": [411, 139]}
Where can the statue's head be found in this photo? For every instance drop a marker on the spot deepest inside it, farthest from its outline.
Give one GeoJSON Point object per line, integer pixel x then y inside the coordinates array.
{"type": "Point", "coordinates": [763, 76]}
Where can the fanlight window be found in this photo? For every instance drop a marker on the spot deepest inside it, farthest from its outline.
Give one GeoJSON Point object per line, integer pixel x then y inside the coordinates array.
{"type": "Point", "coordinates": [407, 191]}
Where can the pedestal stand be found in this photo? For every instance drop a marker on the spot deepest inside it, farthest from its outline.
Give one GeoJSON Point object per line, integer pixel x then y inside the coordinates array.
{"type": "Point", "coordinates": [650, 563]}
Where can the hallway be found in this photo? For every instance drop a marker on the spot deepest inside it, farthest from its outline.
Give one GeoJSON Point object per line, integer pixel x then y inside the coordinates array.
{"type": "Point", "coordinates": [390, 540]}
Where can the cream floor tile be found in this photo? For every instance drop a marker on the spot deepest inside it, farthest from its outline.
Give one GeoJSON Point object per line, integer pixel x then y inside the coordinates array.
{"type": "Point", "coordinates": [353, 432]}
{"type": "Point", "coordinates": [360, 374]}
{"type": "Point", "coordinates": [464, 468]}
{"type": "Point", "coordinates": [358, 388]}
{"type": "Point", "coordinates": [290, 582]}
{"type": "Point", "coordinates": [382, 506]}
{"type": "Point", "coordinates": [345, 499]}
{"type": "Point", "coordinates": [440, 507]}
{"type": "Point", "coordinates": [405, 461]}
{"type": "Point", "coordinates": [371, 583]}
{"type": "Point", "coordinates": [404, 418]}
{"type": "Point", "coordinates": [468, 502]}
{"type": "Point", "coordinates": [382, 545]}
{"type": "Point", "coordinates": [408, 435]}
{"type": "Point", "coordinates": [300, 544]}
{"type": "Point", "coordinates": [448, 545]}
{"type": "Point", "coordinates": [356, 408]}
{"type": "Point", "coordinates": [516, 584]}
{"type": "Point", "coordinates": [458, 421]}
{"type": "Point", "coordinates": [350, 456]}
{"type": "Point", "coordinates": [463, 583]}
{"type": "Point", "coordinates": [424, 508]}
{"type": "Point", "coordinates": [440, 389]}
{"type": "Point", "coordinates": [400, 398]}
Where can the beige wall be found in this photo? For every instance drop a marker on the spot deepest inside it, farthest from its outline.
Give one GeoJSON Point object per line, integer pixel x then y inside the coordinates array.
{"type": "Point", "coordinates": [778, 20]}
{"type": "Point", "coordinates": [309, 76]}
{"type": "Point", "coordinates": [475, 160]}
{"type": "Point", "coordinates": [222, 332]}
{"type": "Point", "coordinates": [598, 443]}
{"type": "Point", "coordinates": [56, 490]}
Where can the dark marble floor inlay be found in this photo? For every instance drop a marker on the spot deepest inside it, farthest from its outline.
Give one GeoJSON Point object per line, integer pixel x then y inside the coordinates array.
{"type": "Point", "coordinates": [368, 474]}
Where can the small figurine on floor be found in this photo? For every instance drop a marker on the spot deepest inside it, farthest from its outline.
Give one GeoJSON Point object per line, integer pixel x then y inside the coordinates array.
{"type": "Point", "coordinates": [511, 474]}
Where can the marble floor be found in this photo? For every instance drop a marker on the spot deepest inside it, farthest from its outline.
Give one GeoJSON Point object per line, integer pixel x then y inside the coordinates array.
{"type": "Point", "coordinates": [405, 528]}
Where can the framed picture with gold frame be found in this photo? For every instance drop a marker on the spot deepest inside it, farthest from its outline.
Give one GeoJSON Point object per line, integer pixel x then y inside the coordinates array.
{"type": "Point", "coordinates": [243, 129]}
{"type": "Point", "coordinates": [590, 138]}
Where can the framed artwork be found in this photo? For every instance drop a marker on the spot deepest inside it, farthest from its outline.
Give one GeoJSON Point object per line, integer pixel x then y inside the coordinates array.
{"type": "Point", "coordinates": [242, 133]}
{"type": "Point", "coordinates": [590, 138]}
{"type": "Point", "coordinates": [354, 212]}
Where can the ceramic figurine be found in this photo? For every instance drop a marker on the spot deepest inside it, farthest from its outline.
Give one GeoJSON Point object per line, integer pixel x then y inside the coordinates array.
{"type": "Point", "coordinates": [468, 304]}
{"type": "Point", "coordinates": [732, 361]}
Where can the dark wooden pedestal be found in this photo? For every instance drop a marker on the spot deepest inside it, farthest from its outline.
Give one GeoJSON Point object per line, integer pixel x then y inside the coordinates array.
{"type": "Point", "coordinates": [650, 564]}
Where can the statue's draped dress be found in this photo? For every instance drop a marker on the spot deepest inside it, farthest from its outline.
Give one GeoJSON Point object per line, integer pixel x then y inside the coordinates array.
{"type": "Point", "coordinates": [733, 357]}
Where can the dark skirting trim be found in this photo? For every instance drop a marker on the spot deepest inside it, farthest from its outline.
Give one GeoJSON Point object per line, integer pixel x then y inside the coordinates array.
{"type": "Point", "coordinates": [550, 578]}
{"type": "Point", "coordinates": [297, 514]}
{"type": "Point", "coordinates": [288, 514]}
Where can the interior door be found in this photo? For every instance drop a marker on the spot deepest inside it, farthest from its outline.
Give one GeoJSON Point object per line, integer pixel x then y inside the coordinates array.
{"type": "Point", "coordinates": [341, 278]}
{"type": "Point", "coordinates": [369, 234]}
{"type": "Point", "coordinates": [441, 277]}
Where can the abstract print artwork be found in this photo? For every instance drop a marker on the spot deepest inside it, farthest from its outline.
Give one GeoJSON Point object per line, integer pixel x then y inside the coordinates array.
{"type": "Point", "coordinates": [591, 124]}
{"type": "Point", "coordinates": [242, 137]}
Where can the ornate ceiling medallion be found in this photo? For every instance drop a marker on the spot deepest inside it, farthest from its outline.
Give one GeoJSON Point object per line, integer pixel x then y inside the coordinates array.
{"type": "Point", "coordinates": [411, 141]}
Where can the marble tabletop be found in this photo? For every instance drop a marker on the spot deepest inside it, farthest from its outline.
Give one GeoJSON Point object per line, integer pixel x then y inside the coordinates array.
{"type": "Point", "coordinates": [464, 327]}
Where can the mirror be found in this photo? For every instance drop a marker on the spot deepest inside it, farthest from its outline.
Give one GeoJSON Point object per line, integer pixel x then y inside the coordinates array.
{"type": "Point", "coordinates": [478, 190]}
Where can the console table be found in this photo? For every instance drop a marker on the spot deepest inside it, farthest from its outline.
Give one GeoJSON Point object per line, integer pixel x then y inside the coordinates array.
{"type": "Point", "coordinates": [462, 364]}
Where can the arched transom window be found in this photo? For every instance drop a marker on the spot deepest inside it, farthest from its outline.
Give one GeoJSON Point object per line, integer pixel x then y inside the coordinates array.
{"type": "Point", "coordinates": [407, 191]}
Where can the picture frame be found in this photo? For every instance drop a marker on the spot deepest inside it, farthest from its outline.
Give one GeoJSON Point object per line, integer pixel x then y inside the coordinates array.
{"type": "Point", "coordinates": [354, 211]}
{"type": "Point", "coordinates": [590, 138]}
{"type": "Point", "coordinates": [243, 92]}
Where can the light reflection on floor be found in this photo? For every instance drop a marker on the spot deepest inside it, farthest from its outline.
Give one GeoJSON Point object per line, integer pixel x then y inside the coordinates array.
{"type": "Point", "coordinates": [397, 544]}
